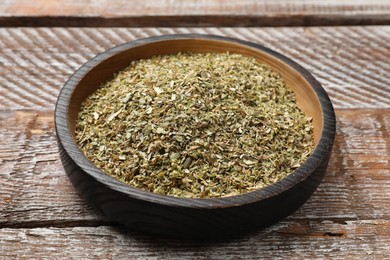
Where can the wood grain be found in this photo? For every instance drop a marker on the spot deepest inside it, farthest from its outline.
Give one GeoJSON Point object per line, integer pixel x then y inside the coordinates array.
{"type": "Point", "coordinates": [36, 191]}
{"type": "Point", "coordinates": [193, 13]}
{"type": "Point", "coordinates": [350, 62]}
{"type": "Point", "coordinates": [347, 217]}
{"type": "Point", "coordinates": [330, 240]}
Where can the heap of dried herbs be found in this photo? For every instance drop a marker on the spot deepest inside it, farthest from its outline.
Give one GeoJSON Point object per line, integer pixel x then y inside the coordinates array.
{"type": "Point", "coordinates": [195, 125]}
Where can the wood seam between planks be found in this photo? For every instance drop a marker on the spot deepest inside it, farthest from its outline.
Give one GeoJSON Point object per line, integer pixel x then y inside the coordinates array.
{"type": "Point", "coordinates": [198, 20]}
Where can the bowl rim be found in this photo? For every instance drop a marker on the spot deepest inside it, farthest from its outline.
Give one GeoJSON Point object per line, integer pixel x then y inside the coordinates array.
{"type": "Point", "coordinates": [320, 153]}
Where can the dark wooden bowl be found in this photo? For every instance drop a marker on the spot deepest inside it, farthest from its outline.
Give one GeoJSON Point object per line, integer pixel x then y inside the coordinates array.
{"type": "Point", "coordinates": [182, 217]}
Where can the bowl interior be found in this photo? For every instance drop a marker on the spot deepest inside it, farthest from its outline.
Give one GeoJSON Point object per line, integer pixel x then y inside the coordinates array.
{"type": "Point", "coordinates": [307, 99]}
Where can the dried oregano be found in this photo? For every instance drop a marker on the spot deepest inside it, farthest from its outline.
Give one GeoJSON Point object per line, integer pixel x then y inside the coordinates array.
{"type": "Point", "coordinates": [195, 125]}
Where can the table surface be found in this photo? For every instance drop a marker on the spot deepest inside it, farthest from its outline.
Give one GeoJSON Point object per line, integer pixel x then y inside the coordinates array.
{"type": "Point", "coordinates": [347, 48]}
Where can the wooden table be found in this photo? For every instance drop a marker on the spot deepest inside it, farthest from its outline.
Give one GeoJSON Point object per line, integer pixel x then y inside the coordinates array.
{"type": "Point", "coordinates": [347, 48]}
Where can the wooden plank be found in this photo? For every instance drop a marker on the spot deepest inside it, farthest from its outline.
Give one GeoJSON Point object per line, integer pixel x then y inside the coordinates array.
{"type": "Point", "coordinates": [35, 190]}
{"type": "Point", "coordinates": [350, 62]}
{"type": "Point", "coordinates": [347, 217]}
{"type": "Point", "coordinates": [286, 240]}
{"type": "Point", "coordinates": [193, 13]}
{"type": "Point", "coordinates": [32, 177]}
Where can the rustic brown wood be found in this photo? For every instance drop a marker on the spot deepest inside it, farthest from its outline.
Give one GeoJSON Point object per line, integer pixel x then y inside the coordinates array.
{"type": "Point", "coordinates": [193, 13]}
{"type": "Point", "coordinates": [303, 240]}
{"type": "Point", "coordinates": [347, 217]}
{"type": "Point", "coordinates": [35, 190]}
{"type": "Point", "coordinates": [36, 62]}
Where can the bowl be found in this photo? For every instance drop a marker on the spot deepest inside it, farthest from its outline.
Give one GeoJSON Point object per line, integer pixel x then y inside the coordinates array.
{"type": "Point", "coordinates": [185, 217]}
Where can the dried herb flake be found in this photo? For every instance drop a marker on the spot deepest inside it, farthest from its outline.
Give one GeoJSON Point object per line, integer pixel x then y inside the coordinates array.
{"type": "Point", "coordinates": [195, 125]}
